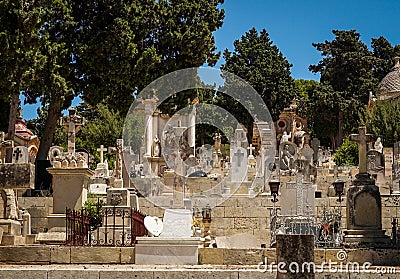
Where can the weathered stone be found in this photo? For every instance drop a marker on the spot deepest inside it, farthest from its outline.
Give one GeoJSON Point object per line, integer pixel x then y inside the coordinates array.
{"type": "Point", "coordinates": [243, 256]}
{"type": "Point", "coordinates": [25, 254]}
{"type": "Point", "coordinates": [60, 255]}
{"type": "Point", "coordinates": [127, 255]}
{"type": "Point", "coordinates": [211, 256]}
{"type": "Point", "coordinates": [17, 176]}
{"type": "Point", "coordinates": [73, 274]}
{"type": "Point", "coordinates": [295, 249]}
{"type": "Point", "coordinates": [95, 255]}
{"type": "Point", "coordinates": [123, 274]}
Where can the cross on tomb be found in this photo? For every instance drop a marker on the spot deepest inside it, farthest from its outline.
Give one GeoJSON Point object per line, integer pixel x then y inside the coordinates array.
{"type": "Point", "coordinates": [251, 149]}
{"type": "Point", "coordinates": [239, 155]}
{"type": "Point", "coordinates": [17, 154]}
{"type": "Point", "coordinates": [304, 196]}
{"type": "Point", "coordinates": [315, 144]}
{"type": "Point", "coordinates": [72, 123]}
{"type": "Point", "coordinates": [362, 139]}
{"type": "Point", "coordinates": [102, 149]}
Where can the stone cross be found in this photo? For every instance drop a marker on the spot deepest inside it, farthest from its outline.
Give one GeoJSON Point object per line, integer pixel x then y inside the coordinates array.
{"type": "Point", "coordinates": [304, 197]}
{"type": "Point", "coordinates": [72, 123]}
{"type": "Point", "coordinates": [102, 149]}
{"type": "Point", "coordinates": [239, 155]}
{"type": "Point", "coordinates": [4, 145]}
{"type": "Point", "coordinates": [362, 138]}
{"type": "Point", "coordinates": [315, 144]}
{"type": "Point", "coordinates": [251, 149]}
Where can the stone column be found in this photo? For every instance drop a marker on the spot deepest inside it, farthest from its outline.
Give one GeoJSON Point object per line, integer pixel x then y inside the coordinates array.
{"type": "Point", "coordinates": [295, 253]}
{"type": "Point", "coordinates": [192, 128]}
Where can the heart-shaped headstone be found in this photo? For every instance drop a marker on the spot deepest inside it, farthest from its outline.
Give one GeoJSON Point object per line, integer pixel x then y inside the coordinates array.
{"type": "Point", "coordinates": [154, 225]}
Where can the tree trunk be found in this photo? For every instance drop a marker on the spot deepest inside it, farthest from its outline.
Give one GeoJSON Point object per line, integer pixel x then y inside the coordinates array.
{"type": "Point", "coordinates": [340, 129]}
{"type": "Point", "coordinates": [54, 113]}
{"type": "Point", "coordinates": [12, 119]}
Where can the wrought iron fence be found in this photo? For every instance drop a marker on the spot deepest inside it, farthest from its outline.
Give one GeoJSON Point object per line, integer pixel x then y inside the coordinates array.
{"type": "Point", "coordinates": [326, 227]}
{"type": "Point", "coordinates": [104, 226]}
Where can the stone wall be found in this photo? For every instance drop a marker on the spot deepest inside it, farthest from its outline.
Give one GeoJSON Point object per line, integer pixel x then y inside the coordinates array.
{"type": "Point", "coordinates": [241, 214]}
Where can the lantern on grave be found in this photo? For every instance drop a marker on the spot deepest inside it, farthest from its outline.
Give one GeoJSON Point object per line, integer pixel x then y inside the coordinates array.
{"type": "Point", "coordinates": [274, 188]}
{"type": "Point", "coordinates": [339, 188]}
{"type": "Point", "coordinates": [206, 213]}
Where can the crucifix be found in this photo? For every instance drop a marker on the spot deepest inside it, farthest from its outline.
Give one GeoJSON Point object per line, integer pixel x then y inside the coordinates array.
{"type": "Point", "coordinates": [239, 155]}
{"type": "Point", "coordinates": [72, 123]}
{"type": "Point", "coordinates": [102, 149]}
{"type": "Point", "coordinates": [4, 145]}
{"type": "Point", "coordinates": [251, 149]}
{"type": "Point", "coordinates": [362, 138]}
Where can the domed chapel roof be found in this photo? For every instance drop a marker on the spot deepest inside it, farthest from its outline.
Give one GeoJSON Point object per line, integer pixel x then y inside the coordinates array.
{"type": "Point", "coordinates": [389, 87]}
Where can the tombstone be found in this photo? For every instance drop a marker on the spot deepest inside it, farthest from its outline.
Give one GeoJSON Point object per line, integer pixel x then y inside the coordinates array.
{"type": "Point", "coordinates": [98, 189]}
{"type": "Point", "coordinates": [154, 225]}
{"type": "Point", "coordinates": [101, 150]}
{"type": "Point", "coordinates": [375, 162]}
{"type": "Point", "coordinates": [238, 164]}
{"type": "Point", "coordinates": [364, 205]}
{"type": "Point", "coordinates": [238, 241]}
{"type": "Point", "coordinates": [388, 161]}
{"type": "Point", "coordinates": [298, 199]}
{"type": "Point", "coordinates": [315, 144]}
{"type": "Point", "coordinates": [20, 155]}
{"type": "Point", "coordinates": [13, 177]}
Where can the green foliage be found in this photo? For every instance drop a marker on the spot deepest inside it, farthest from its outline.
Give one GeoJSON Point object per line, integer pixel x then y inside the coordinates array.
{"type": "Point", "coordinates": [383, 120]}
{"type": "Point", "coordinates": [349, 72]}
{"type": "Point", "coordinates": [103, 128]}
{"type": "Point", "coordinates": [259, 62]}
{"type": "Point", "coordinates": [93, 209]}
{"type": "Point", "coordinates": [347, 154]}
{"type": "Point", "coordinates": [304, 87]}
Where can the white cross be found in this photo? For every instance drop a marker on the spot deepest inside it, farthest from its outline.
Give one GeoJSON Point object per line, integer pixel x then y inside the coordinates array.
{"type": "Point", "coordinates": [102, 149]}
{"type": "Point", "coordinates": [251, 149]}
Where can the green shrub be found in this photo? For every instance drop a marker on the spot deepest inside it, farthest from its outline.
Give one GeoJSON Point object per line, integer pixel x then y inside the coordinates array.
{"type": "Point", "coordinates": [347, 154]}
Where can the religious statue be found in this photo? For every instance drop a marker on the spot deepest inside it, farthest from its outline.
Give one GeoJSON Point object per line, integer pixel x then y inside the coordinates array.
{"type": "Point", "coordinates": [298, 133]}
{"type": "Point", "coordinates": [286, 136]}
{"type": "Point", "coordinates": [217, 144]}
{"type": "Point", "coordinates": [287, 158]}
{"type": "Point", "coordinates": [156, 147]}
{"type": "Point", "coordinates": [378, 145]}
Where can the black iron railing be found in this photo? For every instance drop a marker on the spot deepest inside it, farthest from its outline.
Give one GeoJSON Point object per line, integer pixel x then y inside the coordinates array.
{"type": "Point", "coordinates": [106, 226]}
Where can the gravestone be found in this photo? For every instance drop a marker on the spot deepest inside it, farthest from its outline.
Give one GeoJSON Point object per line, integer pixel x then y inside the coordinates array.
{"type": "Point", "coordinates": [375, 162]}
{"type": "Point", "coordinates": [315, 144]}
{"type": "Point", "coordinates": [13, 177]}
{"type": "Point", "coordinates": [238, 164]}
{"type": "Point", "coordinates": [298, 199]}
{"type": "Point", "coordinates": [363, 205]}
{"type": "Point", "coordinates": [388, 161]}
{"type": "Point", "coordinates": [154, 225]}
{"type": "Point", "coordinates": [20, 155]}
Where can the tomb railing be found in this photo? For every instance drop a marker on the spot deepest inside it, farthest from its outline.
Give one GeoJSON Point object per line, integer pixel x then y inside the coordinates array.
{"type": "Point", "coordinates": [109, 226]}
{"type": "Point", "coordinates": [326, 227]}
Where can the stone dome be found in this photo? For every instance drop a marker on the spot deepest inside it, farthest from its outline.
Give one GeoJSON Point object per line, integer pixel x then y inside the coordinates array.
{"type": "Point", "coordinates": [389, 87]}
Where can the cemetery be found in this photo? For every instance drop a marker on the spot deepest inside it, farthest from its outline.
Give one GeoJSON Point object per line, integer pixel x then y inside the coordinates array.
{"type": "Point", "coordinates": [176, 204]}
{"type": "Point", "coordinates": [145, 160]}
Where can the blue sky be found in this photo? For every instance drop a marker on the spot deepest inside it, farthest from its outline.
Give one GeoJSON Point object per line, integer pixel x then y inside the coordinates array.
{"type": "Point", "coordinates": [295, 24]}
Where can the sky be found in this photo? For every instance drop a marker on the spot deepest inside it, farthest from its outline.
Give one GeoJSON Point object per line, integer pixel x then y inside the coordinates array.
{"type": "Point", "coordinates": [293, 25]}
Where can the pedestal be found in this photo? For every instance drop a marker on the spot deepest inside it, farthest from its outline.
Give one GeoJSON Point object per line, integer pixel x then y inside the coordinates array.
{"type": "Point", "coordinates": [364, 214]}
{"type": "Point", "coordinates": [70, 187]}
{"type": "Point", "coordinates": [167, 250]}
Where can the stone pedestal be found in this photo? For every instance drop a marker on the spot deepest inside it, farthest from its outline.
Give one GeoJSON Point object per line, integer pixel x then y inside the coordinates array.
{"type": "Point", "coordinates": [295, 251]}
{"type": "Point", "coordinates": [167, 250]}
{"type": "Point", "coordinates": [70, 187]}
{"type": "Point", "coordinates": [364, 214]}
{"type": "Point", "coordinates": [175, 244]}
